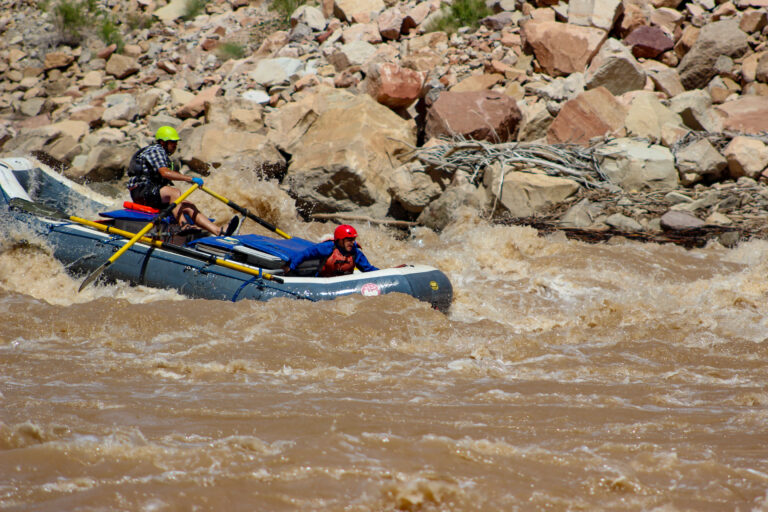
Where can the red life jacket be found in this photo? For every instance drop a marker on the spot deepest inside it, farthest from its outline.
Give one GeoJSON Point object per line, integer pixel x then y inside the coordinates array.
{"type": "Point", "coordinates": [338, 264]}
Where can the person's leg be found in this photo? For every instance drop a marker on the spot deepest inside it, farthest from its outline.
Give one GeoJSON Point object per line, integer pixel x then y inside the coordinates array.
{"type": "Point", "coordinates": [199, 219]}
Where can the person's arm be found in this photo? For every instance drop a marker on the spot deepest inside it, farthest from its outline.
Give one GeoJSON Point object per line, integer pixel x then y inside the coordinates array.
{"type": "Point", "coordinates": [318, 251]}
{"type": "Point", "coordinates": [159, 159]}
{"type": "Point", "coordinates": [362, 262]}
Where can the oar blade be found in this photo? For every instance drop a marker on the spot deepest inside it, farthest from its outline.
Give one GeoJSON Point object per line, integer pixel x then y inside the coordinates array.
{"type": "Point", "coordinates": [93, 276]}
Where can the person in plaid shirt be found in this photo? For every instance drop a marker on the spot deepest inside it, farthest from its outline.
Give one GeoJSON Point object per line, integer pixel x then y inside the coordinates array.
{"type": "Point", "coordinates": [151, 174]}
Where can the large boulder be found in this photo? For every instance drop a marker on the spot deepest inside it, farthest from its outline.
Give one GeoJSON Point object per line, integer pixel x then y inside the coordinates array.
{"type": "Point", "coordinates": [478, 115]}
{"type": "Point", "coordinates": [593, 113]}
{"type": "Point", "coordinates": [459, 198]}
{"type": "Point", "coordinates": [560, 48]}
{"type": "Point", "coordinates": [343, 147]}
{"type": "Point", "coordinates": [715, 39]}
{"type": "Point", "coordinates": [523, 194]}
{"type": "Point", "coordinates": [217, 146]}
{"type": "Point", "coordinates": [636, 165]}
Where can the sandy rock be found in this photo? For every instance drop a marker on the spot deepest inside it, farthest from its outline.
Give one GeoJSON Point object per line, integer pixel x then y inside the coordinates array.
{"type": "Point", "coordinates": [343, 146]}
{"type": "Point", "coordinates": [120, 106]}
{"type": "Point", "coordinates": [345, 9]}
{"type": "Point", "coordinates": [482, 115]}
{"type": "Point", "coordinates": [646, 116]}
{"type": "Point", "coordinates": [623, 223]}
{"type": "Point", "coordinates": [746, 157]}
{"type": "Point", "coordinates": [664, 78]}
{"type": "Point", "coordinates": [523, 194]}
{"type": "Point", "coordinates": [478, 82]}
{"type": "Point", "coordinates": [460, 198]}
{"type": "Point", "coordinates": [498, 21]}
{"type": "Point", "coordinates": [215, 146]}
{"type": "Point", "coordinates": [679, 221]}
{"type": "Point", "coordinates": [593, 113]}
{"type": "Point", "coordinates": [92, 79]}
{"type": "Point", "coordinates": [715, 39]}
{"type": "Point", "coordinates": [635, 165]}
{"type": "Point", "coordinates": [276, 71]}
{"type": "Point", "coordinates": [310, 16]}
{"type": "Point", "coordinates": [558, 90]}
{"type": "Point", "coordinates": [104, 163]}
{"type": "Point", "coordinates": [536, 121]}
{"type": "Point", "coordinates": [55, 60]}
{"type": "Point", "coordinates": [616, 69]}
{"type": "Point", "coordinates": [121, 66]}
{"type": "Point", "coordinates": [390, 23]}
{"type": "Point", "coordinates": [368, 32]}
{"type": "Point", "coordinates": [692, 107]}
{"type": "Point", "coordinates": [700, 161]}
{"type": "Point", "coordinates": [89, 114]}
{"type": "Point", "coordinates": [180, 97]}
{"type": "Point", "coordinates": [196, 106]}
{"type": "Point", "coordinates": [560, 48]}
{"type": "Point", "coordinates": [413, 188]}
{"type": "Point", "coordinates": [753, 20]}
{"type": "Point", "coordinates": [747, 114]}
{"type": "Point", "coordinates": [239, 113]}
{"type": "Point", "coordinates": [761, 71]}
{"type": "Point", "coordinates": [667, 19]}
{"type": "Point", "coordinates": [648, 42]}
{"type": "Point", "coordinates": [394, 86]}
{"type": "Point", "coordinates": [173, 10]}
{"type": "Point", "coordinates": [595, 13]}
{"type": "Point", "coordinates": [415, 16]}
{"type": "Point", "coordinates": [580, 215]}
{"type": "Point", "coordinates": [356, 53]}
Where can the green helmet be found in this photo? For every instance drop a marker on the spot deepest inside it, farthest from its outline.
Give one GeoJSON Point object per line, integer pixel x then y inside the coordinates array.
{"type": "Point", "coordinates": [166, 133]}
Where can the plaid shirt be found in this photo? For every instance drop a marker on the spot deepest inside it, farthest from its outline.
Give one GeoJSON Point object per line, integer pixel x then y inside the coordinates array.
{"type": "Point", "coordinates": [146, 165]}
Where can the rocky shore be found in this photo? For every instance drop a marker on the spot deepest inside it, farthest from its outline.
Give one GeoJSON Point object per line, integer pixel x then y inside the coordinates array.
{"type": "Point", "coordinates": [605, 116]}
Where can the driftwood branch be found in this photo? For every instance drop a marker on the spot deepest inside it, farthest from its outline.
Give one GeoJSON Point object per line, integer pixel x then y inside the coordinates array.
{"type": "Point", "coordinates": [363, 218]}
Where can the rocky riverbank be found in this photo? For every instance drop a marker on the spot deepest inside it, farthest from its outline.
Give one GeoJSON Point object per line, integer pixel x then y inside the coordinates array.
{"type": "Point", "coordinates": [621, 116]}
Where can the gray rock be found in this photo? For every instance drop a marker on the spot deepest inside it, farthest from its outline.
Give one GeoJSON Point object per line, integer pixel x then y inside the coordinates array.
{"type": "Point", "coordinates": [580, 215]}
{"type": "Point", "coordinates": [460, 197]}
{"type": "Point", "coordinates": [692, 108]}
{"type": "Point", "coordinates": [276, 71]}
{"type": "Point", "coordinates": [636, 165]}
{"type": "Point", "coordinates": [701, 160]}
{"type": "Point", "coordinates": [716, 39]}
{"type": "Point", "coordinates": [615, 68]}
{"type": "Point", "coordinates": [623, 223]}
{"type": "Point", "coordinates": [677, 221]}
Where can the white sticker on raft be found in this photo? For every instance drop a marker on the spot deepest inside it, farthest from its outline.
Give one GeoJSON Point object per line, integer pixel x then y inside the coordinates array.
{"type": "Point", "coordinates": [370, 290]}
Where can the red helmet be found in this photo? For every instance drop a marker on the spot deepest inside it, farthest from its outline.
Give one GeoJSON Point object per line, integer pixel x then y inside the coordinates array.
{"type": "Point", "coordinates": [344, 231]}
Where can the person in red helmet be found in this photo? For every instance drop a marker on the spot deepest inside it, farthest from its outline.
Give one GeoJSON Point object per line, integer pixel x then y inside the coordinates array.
{"type": "Point", "coordinates": [339, 256]}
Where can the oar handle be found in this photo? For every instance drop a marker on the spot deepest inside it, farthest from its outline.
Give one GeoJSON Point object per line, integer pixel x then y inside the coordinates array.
{"type": "Point", "coordinates": [246, 212]}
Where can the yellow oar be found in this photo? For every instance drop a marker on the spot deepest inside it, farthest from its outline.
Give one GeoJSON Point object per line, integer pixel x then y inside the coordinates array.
{"type": "Point", "coordinates": [164, 213]}
{"type": "Point", "coordinates": [246, 212]}
{"type": "Point", "coordinates": [39, 209]}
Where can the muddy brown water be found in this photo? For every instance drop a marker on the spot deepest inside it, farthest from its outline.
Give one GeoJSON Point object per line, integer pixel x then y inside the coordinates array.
{"type": "Point", "coordinates": [567, 376]}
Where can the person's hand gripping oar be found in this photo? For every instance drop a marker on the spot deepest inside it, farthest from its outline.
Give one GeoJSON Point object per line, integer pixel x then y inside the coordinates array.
{"type": "Point", "coordinates": [246, 212]}
{"type": "Point", "coordinates": [160, 216]}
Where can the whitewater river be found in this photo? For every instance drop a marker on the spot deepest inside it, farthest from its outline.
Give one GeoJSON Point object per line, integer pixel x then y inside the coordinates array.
{"type": "Point", "coordinates": [567, 376]}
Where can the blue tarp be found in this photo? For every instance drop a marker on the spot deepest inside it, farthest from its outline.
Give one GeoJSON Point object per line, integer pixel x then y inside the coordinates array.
{"type": "Point", "coordinates": [283, 248]}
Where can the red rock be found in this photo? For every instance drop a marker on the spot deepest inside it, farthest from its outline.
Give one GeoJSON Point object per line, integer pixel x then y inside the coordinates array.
{"type": "Point", "coordinates": [209, 44]}
{"type": "Point", "coordinates": [105, 53]}
{"type": "Point", "coordinates": [593, 113]}
{"type": "Point", "coordinates": [560, 48]}
{"type": "Point", "coordinates": [748, 114]}
{"type": "Point", "coordinates": [648, 42]}
{"type": "Point", "coordinates": [394, 86]}
{"type": "Point", "coordinates": [390, 23]}
{"type": "Point", "coordinates": [483, 115]}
